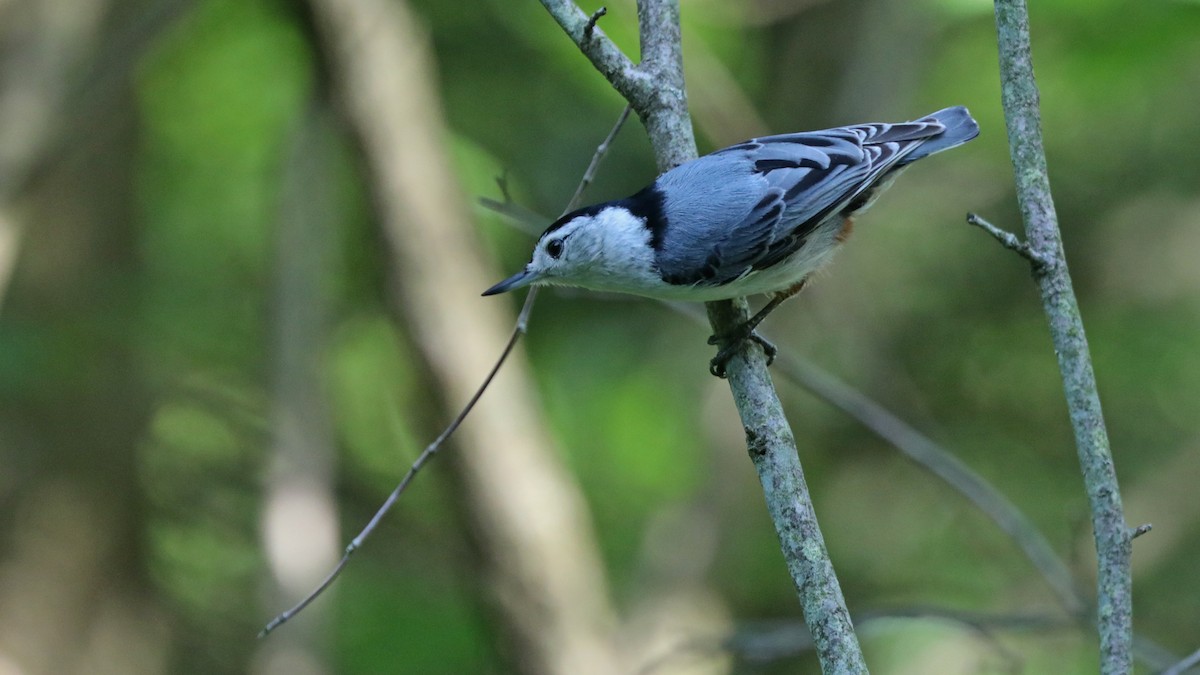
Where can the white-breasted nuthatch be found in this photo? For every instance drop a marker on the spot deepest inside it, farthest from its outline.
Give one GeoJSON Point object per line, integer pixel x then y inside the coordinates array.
{"type": "Point", "coordinates": [756, 217]}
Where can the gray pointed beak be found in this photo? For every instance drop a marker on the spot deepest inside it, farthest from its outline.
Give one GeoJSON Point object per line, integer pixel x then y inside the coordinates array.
{"type": "Point", "coordinates": [518, 280]}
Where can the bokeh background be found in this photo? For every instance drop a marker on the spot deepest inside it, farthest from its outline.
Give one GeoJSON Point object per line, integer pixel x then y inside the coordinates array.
{"type": "Point", "coordinates": [229, 322]}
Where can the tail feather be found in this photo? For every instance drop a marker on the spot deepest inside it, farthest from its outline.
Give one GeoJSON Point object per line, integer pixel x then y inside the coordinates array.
{"type": "Point", "coordinates": [960, 128]}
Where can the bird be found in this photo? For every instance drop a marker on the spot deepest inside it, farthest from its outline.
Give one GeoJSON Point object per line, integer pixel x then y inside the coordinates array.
{"type": "Point", "coordinates": [758, 217]}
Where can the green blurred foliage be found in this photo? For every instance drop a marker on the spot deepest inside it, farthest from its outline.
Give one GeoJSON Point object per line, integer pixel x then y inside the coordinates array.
{"type": "Point", "coordinates": [923, 313]}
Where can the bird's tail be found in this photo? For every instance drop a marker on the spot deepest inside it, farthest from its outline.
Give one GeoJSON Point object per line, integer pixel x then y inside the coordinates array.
{"type": "Point", "coordinates": [960, 128]}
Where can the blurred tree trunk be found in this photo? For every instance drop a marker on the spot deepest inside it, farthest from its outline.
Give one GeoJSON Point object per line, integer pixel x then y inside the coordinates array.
{"type": "Point", "coordinates": [73, 595]}
{"type": "Point", "coordinates": [299, 491]}
{"type": "Point", "coordinates": [539, 555]}
{"type": "Point", "coordinates": [44, 44]}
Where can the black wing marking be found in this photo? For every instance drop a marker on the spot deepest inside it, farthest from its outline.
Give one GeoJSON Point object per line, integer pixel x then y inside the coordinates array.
{"type": "Point", "coordinates": [754, 237]}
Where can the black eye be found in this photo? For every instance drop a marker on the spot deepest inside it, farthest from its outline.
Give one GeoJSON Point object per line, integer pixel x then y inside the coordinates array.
{"type": "Point", "coordinates": [554, 248]}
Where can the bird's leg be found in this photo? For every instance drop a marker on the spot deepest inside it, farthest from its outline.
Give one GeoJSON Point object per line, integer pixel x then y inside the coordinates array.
{"type": "Point", "coordinates": [731, 341]}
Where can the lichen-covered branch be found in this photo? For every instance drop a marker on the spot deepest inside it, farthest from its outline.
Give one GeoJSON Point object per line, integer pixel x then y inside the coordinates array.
{"type": "Point", "coordinates": [600, 50]}
{"type": "Point", "coordinates": [654, 87]}
{"type": "Point", "coordinates": [772, 448]}
{"type": "Point", "coordinates": [1113, 541]}
{"type": "Point", "coordinates": [655, 90]}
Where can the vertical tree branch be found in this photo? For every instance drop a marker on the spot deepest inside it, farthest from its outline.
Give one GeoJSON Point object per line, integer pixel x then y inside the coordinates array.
{"type": "Point", "coordinates": [1113, 541]}
{"type": "Point", "coordinates": [666, 118]}
{"type": "Point", "coordinates": [654, 87]}
{"type": "Point", "coordinates": [772, 448]}
{"type": "Point", "coordinates": [656, 91]}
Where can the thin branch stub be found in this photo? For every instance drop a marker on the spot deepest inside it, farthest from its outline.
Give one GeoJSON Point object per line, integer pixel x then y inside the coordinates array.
{"type": "Point", "coordinates": [1010, 241]}
{"type": "Point", "coordinates": [590, 26]}
{"type": "Point", "coordinates": [1140, 530]}
{"type": "Point", "coordinates": [502, 183]}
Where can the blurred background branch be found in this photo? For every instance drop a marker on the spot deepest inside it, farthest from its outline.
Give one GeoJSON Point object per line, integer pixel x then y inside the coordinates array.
{"type": "Point", "coordinates": [299, 491]}
{"type": "Point", "coordinates": [74, 590]}
{"type": "Point", "coordinates": [47, 44]}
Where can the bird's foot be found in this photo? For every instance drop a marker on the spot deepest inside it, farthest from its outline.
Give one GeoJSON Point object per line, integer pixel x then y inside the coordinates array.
{"type": "Point", "coordinates": [732, 342]}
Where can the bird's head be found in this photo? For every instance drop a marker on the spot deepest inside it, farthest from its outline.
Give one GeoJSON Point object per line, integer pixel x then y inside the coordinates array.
{"type": "Point", "coordinates": [593, 248]}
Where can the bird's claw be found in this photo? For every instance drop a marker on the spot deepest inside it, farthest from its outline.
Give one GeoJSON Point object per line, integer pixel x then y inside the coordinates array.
{"type": "Point", "coordinates": [730, 346]}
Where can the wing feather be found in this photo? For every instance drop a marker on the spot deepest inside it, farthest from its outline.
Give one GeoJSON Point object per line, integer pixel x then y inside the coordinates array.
{"type": "Point", "coordinates": [767, 195]}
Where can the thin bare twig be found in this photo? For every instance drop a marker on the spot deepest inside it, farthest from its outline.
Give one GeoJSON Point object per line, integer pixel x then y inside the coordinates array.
{"type": "Point", "coordinates": [1140, 530]}
{"type": "Point", "coordinates": [601, 150]}
{"type": "Point", "coordinates": [1009, 241]}
{"type": "Point", "coordinates": [432, 449]}
{"type": "Point", "coordinates": [531, 222]}
{"type": "Point", "coordinates": [426, 454]}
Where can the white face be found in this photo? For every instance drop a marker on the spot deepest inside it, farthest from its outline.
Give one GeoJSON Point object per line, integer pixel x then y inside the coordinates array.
{"type": "Point", "coordinates": [606, 251]}
{"type": "Point", "coordinates": [564, 252]}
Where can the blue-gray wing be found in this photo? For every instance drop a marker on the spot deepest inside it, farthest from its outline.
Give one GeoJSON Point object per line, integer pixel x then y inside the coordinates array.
{"type": "Point", "coordinates": [749, 206]}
